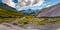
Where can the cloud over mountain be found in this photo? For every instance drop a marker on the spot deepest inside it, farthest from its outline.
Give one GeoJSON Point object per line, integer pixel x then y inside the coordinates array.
{"type": "Point", "coordinates": [23, 3]}
{"type": "Point", "coordinates": [9, 2]}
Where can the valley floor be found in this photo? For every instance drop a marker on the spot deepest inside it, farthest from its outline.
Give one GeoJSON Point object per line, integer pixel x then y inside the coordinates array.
{"type": "Point", "coordinates": [30, 23]}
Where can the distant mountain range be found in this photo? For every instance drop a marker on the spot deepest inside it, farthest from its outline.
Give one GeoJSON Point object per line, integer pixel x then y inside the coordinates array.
{"type": "Point", "coordinates": [29, 11]}
{"type": "Point", "coordinates": [53, 11]}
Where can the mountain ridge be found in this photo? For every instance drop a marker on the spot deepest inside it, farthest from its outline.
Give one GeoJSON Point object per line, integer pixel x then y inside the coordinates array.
{"type": "Point", "coordinates": [52, 11]}
{"type": "Point", "coordinates": [8, 13]}
{"type": "Point", "coordinates": [5, 6]}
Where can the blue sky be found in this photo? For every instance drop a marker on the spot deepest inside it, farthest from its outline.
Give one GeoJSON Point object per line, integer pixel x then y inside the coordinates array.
{"type": "Point", "coordinates": [49, 2]}
{"type": "Point", "coordinates": [16, 1]}
{"type": "Point", "coordinates": [46, 3]}
{"type": "Point", "coordinates": [0, 0]}
{"type": "Point", "coordinates": [52, 2]}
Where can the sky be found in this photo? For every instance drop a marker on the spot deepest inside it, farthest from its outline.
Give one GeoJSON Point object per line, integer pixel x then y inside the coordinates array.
{"type": "Point", "coordinates": [15, 1]}
{"type": "Point", "coordinates": [52, 2]}
{"type": "Point", "coordinates": [47, 3]}
{"type": "Point", "coordinates": [0, 0]}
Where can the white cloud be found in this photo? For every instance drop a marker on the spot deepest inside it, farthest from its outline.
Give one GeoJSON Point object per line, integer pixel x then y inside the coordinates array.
{"type": "Point", "coordinates": [29, 3]}
{"type": "Point", "coordinates": [48, 5]}
{"type": "Point", "coordinates": [9, 2]}
{"type": "Point", "coordinates": [40, 2]}
{"type": "Point", "coordinates": [24, 3]}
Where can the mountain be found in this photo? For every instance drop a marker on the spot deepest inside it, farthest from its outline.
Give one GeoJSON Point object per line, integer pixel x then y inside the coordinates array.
{"type": "Point", "coordinates": [7, 7]}
{"type": "Point", "coordinates": [29, 11]}
{"type": "Point", "coordinates": [53, 11]}
{"type": "Point", "coordinates": [5, 13]}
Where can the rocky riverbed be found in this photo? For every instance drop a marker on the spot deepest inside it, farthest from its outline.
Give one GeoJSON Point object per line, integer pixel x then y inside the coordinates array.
{"type": "Point", "coordinates": [49, 26]}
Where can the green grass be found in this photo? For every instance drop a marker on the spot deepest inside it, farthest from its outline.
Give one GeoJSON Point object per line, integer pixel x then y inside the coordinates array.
{"type": "Point", "coordinates": [32, 20]}
{"type": "Point", "coordinates": [9, 13]}
{"type": "Point", "coordinates": [7, 20]}
{"type": "Point", "coordinates": [7, 16]}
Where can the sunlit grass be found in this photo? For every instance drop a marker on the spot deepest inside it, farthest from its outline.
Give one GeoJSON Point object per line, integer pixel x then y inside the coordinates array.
{"type": "Point", "coordinates": [32, 20]}
{"type": "Point", "coordinates": [7, 20]}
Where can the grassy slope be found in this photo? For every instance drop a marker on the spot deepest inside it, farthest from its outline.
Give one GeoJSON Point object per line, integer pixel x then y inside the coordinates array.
{"type": "Point", "coordinates": [39, 21]}
{"type": "Point", "coordinates": [8, 15]}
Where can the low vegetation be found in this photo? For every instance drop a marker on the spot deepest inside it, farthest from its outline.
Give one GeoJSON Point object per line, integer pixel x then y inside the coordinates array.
{"type": "Point", "coordinates": [41, 21]}
{"type": "Point", "coordinates": [4, 13]}
{"type": "Point", "coordinates": [7, 16]}
{"type": "Point", "coordinates": [30, 20]}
